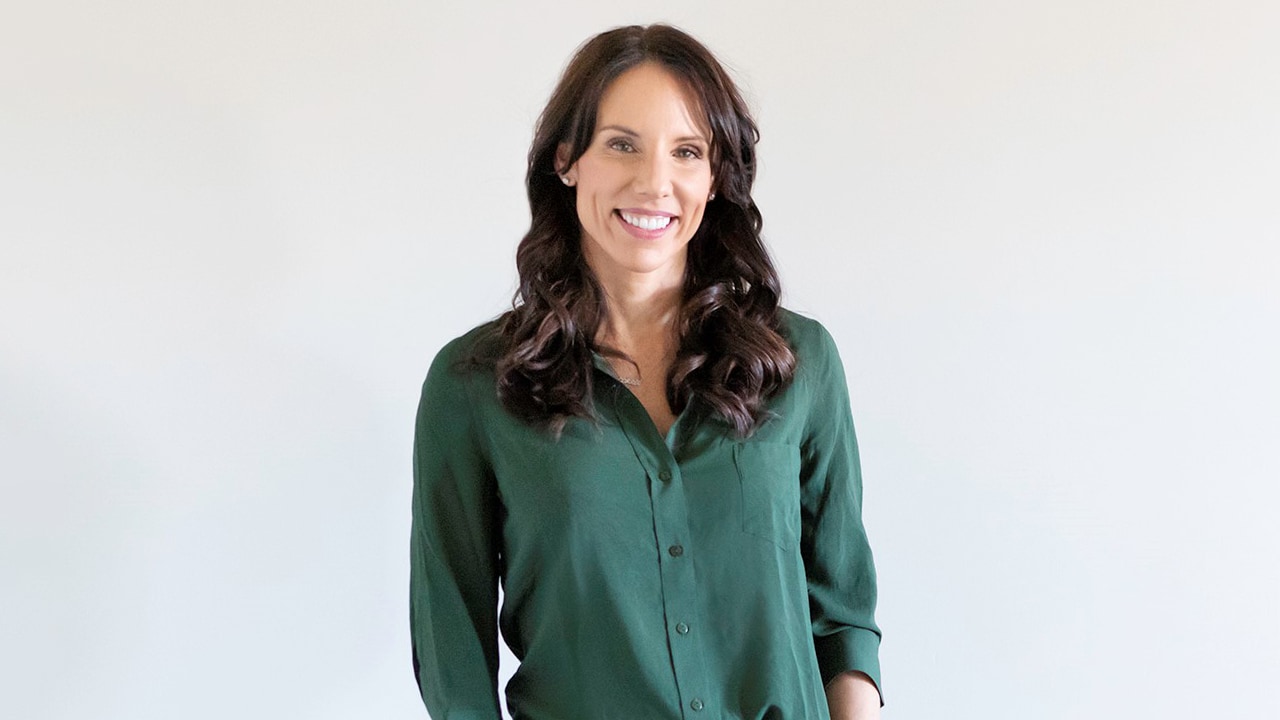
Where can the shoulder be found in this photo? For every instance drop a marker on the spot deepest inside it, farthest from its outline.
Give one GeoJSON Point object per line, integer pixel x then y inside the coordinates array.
{"type": "Point", "coordinates": [815, 349]}
{"type": "Point", "coordinates": [475, 346]}
{"type": "Point", "coordinates": [800, 329]}
{"type": "Point", "coordinates": [820, 389]}
{"type": "Point", "coordinates": [462, 359]}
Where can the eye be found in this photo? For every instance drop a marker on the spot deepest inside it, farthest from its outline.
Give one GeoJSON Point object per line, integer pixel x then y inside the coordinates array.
{"type": "Point", "coordinates": [621, 145]}
{"type": "Point", "coordinates": [689, 152]}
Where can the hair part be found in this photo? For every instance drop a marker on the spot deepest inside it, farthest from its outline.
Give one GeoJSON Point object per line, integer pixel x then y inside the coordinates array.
{"type": "Point", "coordinates": [731, 354]}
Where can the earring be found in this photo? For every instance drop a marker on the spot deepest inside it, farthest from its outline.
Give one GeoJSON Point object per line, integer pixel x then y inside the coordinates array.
{"type": "Point", "coordinates": [712, 196]}
{"type": "Point", "coordinates": [565, 179]}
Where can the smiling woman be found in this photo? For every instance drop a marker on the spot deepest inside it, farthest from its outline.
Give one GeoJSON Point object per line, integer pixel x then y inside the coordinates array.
{"type": "Point", "coordinates": [653, 458]}
{"type": "Point", "coordinates": [645, 180]}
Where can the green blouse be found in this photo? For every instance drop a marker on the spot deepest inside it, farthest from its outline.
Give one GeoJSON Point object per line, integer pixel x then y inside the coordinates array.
{"type": "Point", "coordinates": [692, 576]}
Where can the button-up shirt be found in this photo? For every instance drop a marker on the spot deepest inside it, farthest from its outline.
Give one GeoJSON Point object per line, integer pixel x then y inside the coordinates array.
{"type": "Point", "coordinates": [692, 575]}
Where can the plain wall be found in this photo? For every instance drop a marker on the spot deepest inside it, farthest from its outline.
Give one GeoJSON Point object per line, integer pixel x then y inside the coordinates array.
{"type": "Point", "coordinates": [233, 234]}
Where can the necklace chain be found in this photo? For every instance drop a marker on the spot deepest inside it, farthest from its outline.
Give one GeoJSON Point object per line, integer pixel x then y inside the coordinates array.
{"type": "Point", "coordinates": [628, 381]}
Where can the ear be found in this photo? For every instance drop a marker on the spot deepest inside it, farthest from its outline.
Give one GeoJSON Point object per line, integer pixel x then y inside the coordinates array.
{"type": "Point", "coordinates": [563, 168]}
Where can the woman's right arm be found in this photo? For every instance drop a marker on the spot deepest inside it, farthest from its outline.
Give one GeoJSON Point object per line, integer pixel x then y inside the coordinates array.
{"type": "Point", "coordinates": [454, 554]}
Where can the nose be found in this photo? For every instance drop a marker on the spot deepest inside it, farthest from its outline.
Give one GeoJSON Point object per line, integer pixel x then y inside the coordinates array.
{"type": "Point", "coordinates": [653, 176]}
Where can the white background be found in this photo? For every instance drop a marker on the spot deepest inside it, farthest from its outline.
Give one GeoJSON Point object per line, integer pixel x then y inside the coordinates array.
{"type": "Point", "coordinates": [233, 234]}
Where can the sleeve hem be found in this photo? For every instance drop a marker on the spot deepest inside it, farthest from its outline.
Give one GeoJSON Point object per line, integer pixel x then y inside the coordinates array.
{"type": "Point", "coordinates": [852, 648]}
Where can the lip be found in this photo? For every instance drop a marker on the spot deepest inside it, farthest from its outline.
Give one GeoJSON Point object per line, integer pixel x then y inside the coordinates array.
{"type": "Point", "coordinates": [650, 213]}
{"type": "Point", "coordinates": [641, 233]}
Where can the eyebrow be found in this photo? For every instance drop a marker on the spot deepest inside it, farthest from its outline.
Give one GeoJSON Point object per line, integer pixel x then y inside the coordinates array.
{"type": "Point", "coordinates": [628, 131]}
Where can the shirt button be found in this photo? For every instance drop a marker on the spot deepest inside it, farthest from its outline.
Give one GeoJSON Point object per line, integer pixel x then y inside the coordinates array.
{"type": "Point", "coordinates": [696, 704]}
{"type": "Point", "coordinates": [676, 550]}
{"type": "Point", "coordinates": [683, 630]}
{"type": "Point", "coordinates": [664, 476]}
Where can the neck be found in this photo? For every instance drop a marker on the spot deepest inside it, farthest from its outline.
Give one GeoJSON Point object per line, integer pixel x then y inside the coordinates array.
{"type": "Point", "coordinates": [642, 309]}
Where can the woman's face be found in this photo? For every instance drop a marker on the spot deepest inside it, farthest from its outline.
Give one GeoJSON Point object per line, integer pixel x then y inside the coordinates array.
{"type": "Point", "coordinates": [642, 184]}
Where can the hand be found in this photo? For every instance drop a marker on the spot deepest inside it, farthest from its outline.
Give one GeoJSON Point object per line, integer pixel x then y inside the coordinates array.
{"type": "Point", "coordinates": [852, 696]}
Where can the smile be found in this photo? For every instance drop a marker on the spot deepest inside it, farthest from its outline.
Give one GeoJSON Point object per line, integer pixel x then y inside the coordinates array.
{"type": "Point", "coordinates": [645, 222]}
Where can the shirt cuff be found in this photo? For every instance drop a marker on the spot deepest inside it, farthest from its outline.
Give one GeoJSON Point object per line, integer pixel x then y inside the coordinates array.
{"type": "Point", "coordinates": [853, 648]}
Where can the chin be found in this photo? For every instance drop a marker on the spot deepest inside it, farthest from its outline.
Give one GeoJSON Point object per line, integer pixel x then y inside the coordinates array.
{"type": "Point", "coordinates": [649, 262]}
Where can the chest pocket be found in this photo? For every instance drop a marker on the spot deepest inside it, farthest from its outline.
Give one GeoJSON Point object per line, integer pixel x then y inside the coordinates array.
{"type": "Point", "coordinates": [769, 474]}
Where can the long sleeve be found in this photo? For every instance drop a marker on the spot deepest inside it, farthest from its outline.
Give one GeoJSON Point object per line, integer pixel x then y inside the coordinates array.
{"type": "Point", "coordinates": [454, 553]}
{"type": "Point", "coordinates": [838, 562]}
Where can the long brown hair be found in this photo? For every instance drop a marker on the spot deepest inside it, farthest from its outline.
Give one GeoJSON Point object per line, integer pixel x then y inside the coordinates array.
{"type": "Point", "coordinates": [731, 353]}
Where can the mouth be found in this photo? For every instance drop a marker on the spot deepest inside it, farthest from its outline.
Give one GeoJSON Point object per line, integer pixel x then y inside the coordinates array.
{"type": "Point", "coordinates": [645, 224]}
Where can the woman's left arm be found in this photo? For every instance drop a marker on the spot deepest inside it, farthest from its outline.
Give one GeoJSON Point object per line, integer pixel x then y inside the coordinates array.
{"type": "Point", "coordinates": [838, 564]}
{"type": "Point", "coordinates": [852, 696]}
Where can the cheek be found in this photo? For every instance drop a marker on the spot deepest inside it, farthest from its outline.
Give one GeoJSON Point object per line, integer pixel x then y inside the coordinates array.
{"type": "Point", "coordinates": [596, 176]}
{"type": "Point", "coordinates": [699, 182]}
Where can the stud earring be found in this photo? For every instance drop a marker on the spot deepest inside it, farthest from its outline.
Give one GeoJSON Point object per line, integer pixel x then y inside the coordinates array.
{"type": "Point", "coordinates": [712, 196]}
{"type": "Point", "coordinates": [565, 179]}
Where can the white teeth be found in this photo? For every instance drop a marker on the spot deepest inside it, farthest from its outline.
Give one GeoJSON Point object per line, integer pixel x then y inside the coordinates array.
{"type": "Point", "coordinates": [646, 222]}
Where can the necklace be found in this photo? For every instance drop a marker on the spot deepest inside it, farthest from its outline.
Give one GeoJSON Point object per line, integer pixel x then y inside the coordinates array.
{"type": "Point", "coordinates": [629, 382]}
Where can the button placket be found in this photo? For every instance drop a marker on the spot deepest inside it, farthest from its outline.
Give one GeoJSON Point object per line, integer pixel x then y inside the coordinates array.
{"type": "Point", "coordinates": [671, 529]}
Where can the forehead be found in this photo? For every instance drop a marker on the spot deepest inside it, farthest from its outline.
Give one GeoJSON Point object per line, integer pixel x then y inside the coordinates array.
{"type": "Point", "coordinates": [649, 98]}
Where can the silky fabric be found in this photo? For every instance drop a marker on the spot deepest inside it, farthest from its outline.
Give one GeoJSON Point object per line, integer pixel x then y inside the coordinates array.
{"type": "Point", "coordinates": [696, 575]}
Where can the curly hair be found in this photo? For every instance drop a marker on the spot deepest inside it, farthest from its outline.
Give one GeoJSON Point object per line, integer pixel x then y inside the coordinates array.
{"type": "Point", "coordinates": [731, 354]}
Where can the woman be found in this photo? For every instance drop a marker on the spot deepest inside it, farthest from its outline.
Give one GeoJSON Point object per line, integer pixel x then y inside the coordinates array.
{"type": "Point", "coordinates": [654, 458]}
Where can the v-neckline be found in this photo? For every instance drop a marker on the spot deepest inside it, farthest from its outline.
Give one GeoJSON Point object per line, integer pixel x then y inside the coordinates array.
{"type": "Point", "coordinates": [667, 438]}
